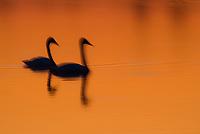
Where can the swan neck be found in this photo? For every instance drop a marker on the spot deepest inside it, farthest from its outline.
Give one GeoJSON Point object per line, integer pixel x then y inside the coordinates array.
{"type": "Point", "coordinates": [82, 55]}
{"type": "Point", "coordinates": [49, 53]}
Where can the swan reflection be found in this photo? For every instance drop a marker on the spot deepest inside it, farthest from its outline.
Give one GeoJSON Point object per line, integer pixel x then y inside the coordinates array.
{"type": "Point", "coordinates": [51, 89]}
{"type": "Point", "coordinates": [84, 79]}
{"type": "Point", "coordinates": [83, 90]}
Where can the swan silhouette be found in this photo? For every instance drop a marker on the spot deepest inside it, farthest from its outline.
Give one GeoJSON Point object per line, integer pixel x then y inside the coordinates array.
{"type": "Point", "coordinates": [42, 63]}
{"type": "Point", "coordinates": [72, 69]}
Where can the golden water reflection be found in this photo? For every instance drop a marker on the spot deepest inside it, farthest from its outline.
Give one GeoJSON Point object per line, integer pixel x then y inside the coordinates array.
{"type": "Point", "coordinates": [144, 67]}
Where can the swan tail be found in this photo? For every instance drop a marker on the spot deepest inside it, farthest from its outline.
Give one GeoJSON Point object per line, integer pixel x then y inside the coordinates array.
{"type": "Point", "coordinates": [27, 62]}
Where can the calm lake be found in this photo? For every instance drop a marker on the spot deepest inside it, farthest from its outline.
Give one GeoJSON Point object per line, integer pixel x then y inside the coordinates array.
{"type": "Point", "coordinates": [144, 67]}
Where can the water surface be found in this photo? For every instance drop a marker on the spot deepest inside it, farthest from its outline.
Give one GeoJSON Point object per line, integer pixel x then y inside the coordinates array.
{"type": "Point", "coordinates": [144, 75]}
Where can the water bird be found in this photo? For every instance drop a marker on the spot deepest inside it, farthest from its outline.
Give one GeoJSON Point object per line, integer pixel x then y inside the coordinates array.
{"type": "Point", "coordinates": [42, 63]}
{"type": "Point", "coordinates": [73, 69]}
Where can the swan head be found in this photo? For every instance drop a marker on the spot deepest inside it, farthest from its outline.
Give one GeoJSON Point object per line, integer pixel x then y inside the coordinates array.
{"type": "Point", "coordinates": [51, 40]}
{"type": "Point", "coordinates": [84, 41]}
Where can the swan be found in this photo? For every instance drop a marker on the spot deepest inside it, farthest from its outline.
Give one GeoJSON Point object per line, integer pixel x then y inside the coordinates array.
{"type": "Point", "coordinates": [42, 63]}
{"type": "Point", "coordinates": [72, 69]}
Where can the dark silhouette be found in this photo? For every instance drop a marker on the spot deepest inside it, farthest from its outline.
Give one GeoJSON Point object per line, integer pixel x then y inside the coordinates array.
{"type": "Point", "coordinates": [42, 63]}
{"type": "Point", "coordinates": [52, 90]}
{"type": "Point", "coordinates": [83, 90]}
{"type": "Point", "coordinates": [72, 69]}
{"type": "Point", "coordinates": [49, 88]}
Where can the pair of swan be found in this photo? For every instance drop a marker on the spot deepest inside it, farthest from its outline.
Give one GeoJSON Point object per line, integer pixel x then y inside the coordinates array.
{"type": "Point", "coordinates": [65, 69]}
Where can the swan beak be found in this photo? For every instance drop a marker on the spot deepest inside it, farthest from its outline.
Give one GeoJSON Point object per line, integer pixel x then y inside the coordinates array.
{"type": "Point", "coordinates": [90, 44]}
{"type": "Point", "coordinates": [56, 43]}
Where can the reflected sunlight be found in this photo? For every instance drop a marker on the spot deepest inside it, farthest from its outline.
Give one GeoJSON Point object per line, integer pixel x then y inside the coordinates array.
{"type": "Point", "coordinates": [144, 69]}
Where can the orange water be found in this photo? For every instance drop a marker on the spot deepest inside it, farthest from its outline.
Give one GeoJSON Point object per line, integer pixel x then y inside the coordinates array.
{"type": "Point", "coordinates": [144, 67]}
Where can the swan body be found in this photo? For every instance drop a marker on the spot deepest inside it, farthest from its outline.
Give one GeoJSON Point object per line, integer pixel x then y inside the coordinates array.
{"type": "Point", "coordinates": [73, 69]}
{"type": "Point", "coordinates": [38, 62]}
{"type": "Point", "coordinates": [69, 70]}
{"type": "Point", "coordinates": [42, 63]}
